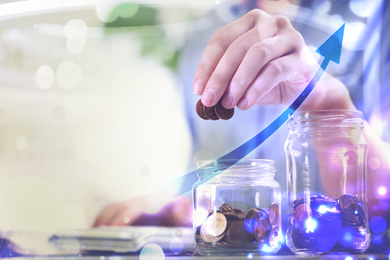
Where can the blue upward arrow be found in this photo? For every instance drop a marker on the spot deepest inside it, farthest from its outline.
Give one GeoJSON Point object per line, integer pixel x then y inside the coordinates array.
{"type": "Point", "coordinates": [331, 50]}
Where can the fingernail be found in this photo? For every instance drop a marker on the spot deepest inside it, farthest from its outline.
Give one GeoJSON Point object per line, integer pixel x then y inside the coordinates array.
{"type": "Point", "coordinates": [227, 101]}
{"type": "Point", "coordinates": [198, 87]}
{"type": "Point", "coordinates": [243, 103]}
{"type": "Point", "coordinates": [208, 97]}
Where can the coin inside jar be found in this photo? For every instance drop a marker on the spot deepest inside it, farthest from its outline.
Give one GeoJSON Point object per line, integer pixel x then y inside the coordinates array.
{"type": "Point", "coordinates": [262, 228]}
{"type": "Point", "coordinates": [274, 214]}
{"type": "Point", "coordinates": [213, 228]}
{"type": "Point", "coordinates": [238, 235]}
{"type": "Point", "coordinates": [350, 206]}
{"type": "Point", "coordinates": [274, 235]}
{"type": "Point", "coordinates": [225, 208]}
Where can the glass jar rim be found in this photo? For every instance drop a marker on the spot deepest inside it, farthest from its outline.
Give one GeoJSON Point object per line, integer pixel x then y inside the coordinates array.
{"type": "Point", "coordinates": [331, 116]}
{"type": "Point", "coordinates": [259, 168]}
{"type": "Point", "coordinates": [267, 163]}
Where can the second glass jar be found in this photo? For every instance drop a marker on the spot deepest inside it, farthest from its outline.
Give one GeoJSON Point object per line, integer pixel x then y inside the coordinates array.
{"type": "Point", "coordinates": [237, 208]}
{"type": "Point", "coordinates": [327, 202]}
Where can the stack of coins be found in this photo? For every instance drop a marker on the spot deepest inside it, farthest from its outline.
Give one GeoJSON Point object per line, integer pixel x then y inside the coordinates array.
{"type": "Point", "coordinates": [312, 222]}
{"type": "Point", "coordinates": [233, 228]}
{"type": "Point", "coordinates": [214, 113]}
{"type": "Point", "coordinates": [322, 223]}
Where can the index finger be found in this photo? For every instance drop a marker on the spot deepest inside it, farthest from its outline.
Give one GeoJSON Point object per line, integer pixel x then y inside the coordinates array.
{"type": "Point", "coordinates": [218, 45]}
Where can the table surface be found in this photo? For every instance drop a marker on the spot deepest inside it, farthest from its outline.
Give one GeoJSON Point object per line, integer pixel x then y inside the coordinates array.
{"type": "Point", "coordinates": [9, 251]}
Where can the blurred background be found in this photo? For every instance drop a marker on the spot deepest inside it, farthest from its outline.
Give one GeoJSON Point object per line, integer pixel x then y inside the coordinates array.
{"type": "Point", "coordinates": [90, 113]}
{"type": "Point", "coordinates": [96, 101]}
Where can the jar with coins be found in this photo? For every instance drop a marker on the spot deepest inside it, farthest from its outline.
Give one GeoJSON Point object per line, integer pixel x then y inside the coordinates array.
{"type": "Point", "coordinates": [237, 208]}
{"type": "Point", "coordinates": [326, 177]}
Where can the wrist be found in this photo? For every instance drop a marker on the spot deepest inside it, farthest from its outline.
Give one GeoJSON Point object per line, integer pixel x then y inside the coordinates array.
{"type": "Point", "coordinates": [329, 93]}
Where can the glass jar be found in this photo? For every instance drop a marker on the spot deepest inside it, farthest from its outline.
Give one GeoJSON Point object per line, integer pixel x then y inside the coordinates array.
{"type": "Point", "coordinates": [237, 208]}
{"type": "Point", "coordinates": [326, 177]}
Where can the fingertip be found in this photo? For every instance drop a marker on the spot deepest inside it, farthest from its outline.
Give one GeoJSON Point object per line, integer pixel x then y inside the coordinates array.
{"type": "Point", "coordinates": [227, 101]}
{"type": "Point", "coordinates": [95, 225]}
{"type": "Point", "coordinates": [208, 97]}
{"type": "Point", "coordinates": [198, 86]}
{"type": "Point", "coordinates": [243, 104]}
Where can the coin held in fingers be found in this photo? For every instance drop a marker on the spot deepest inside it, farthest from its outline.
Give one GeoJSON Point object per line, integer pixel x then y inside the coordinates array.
{"type": "Point", "coordinates": [222, 112]}
{"type": "Point", "coordinates": [200, 111]}
{"type": "Point", "coordinates": [210, 113]}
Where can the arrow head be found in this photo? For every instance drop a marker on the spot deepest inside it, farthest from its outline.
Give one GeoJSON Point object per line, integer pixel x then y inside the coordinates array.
{"type": "Point", "coordinates": [331, 48]}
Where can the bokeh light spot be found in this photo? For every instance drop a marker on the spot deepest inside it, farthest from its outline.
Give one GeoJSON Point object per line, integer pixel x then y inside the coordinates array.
{"type": "Point", "coordinates": [348, 237]}
{"type": "Point", "coordinates": [384, 204]}
{"type": "Point", "coordinates": [176, 245]}
{"type": "Point", "coordinates": [203, 155]}
{"type": "Point", "coordinates": [378, 224]}
{"type": "Point", "coordinates": [179, 232]}
{"type": "Point", "coordinates": [375, 207]}
{"type": "Point", "coordinates": [323, 209]}
{"type": "Point", "coordinates": [69, 74]}
{"type": "Point", "coordinates": [376, 239]}
{"type": "Point", "coordinates": [151, 251]}
{"type": "Point", "coordinates": [382, 191]}
{"type": "Point", "coordinates": [44, 77]}
{"type": "Point", "coordinates": [362, 8]}
{"type": "Point", "coordinates": [374, 163]}
{"type": "Point", "coordinates": [244, 189]}
{"type": "Point", "coordinates": [311, 225]}
{"type": "Point", "coordinates": [75, 28]}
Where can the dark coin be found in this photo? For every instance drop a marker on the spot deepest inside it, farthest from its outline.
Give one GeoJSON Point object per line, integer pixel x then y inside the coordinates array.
{"type": "Point", "coordinates": [237, 234]}
{"type": "Point", "coordinates": [231, 216]}
{"type": "Point", "coordinates": [262, 228]}
{"type": "Point", "coordinates": [236, 210]}
{"type": "Point", "coordinates": [253, 217]}
{"type": "Point", "coordinates": [222, 112]}
{"type": "Point", "coordinates": [210, 113]}
{"type": "Point", "coordinates": [351, 157]}
{"type": "Point", "coordinates": [274, 213]}
{"type": "Point", "coordinates": [275, 237]}
{"type": "Point", "coordinates": [351, 208]}
{"type": "Point", "coordinates": [200, 111]}
{"type": "Point", "coordinates": [300, 213]}
{"type": "Point", "coordinates": [197, 235]}
{"type": "Point", "coordinates": [225, 208]}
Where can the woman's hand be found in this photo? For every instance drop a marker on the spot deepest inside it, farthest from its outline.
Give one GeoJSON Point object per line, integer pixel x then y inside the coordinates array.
{"type": "Point", "coordinates": [261, 59]}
